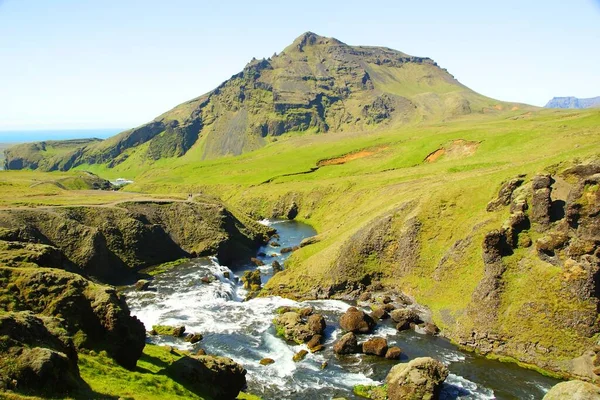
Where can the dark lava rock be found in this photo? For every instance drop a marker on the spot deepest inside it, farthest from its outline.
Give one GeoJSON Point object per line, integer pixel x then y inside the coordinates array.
{"type": "Point", "coordinates": [276, 266]}
{"type": "Point", "coordinates": [505, 194]}
{"type": "Point", "coordinates": [376, 346]}
{"type": "Point", "coordinates": [348, 344]}
{"type": "Point", "coordinates": [355, 320]}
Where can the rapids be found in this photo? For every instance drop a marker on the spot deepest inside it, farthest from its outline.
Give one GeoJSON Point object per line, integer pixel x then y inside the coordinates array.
{"type": "Point", "coordinates": [242, 330]}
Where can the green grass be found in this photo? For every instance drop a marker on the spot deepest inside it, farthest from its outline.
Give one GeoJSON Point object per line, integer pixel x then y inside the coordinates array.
{"type": "Point", "coordinates": [147, 382]}
{"type": "Point", "coordinates": [164, 267]}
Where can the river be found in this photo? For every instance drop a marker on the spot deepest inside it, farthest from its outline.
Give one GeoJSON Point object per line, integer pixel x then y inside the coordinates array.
{"type": "Point", "coordinates": [242, 330]}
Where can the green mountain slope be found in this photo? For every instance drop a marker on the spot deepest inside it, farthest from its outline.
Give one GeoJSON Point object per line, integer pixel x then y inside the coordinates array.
{"type": "Point", "coordinates": [315, 85]}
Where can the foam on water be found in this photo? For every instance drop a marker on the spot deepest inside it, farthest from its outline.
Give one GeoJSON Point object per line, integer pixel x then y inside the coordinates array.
{"type": "Point", "coordinates": [457, 387]}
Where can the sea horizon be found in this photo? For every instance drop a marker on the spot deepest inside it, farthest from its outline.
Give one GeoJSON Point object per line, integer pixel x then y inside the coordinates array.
{"type": "Point", "coordinates": [36, 135]}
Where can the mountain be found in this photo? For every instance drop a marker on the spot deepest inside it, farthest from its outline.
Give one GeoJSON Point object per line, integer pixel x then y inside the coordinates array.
{"type": "Point", "coordinates": [315, 85]}
{"type": "Point", "coordinates": [573, 102]}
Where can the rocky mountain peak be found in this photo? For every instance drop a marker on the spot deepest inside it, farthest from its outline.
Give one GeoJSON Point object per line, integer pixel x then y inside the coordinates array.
{"type": "Point", "coordinates": [312, 39]}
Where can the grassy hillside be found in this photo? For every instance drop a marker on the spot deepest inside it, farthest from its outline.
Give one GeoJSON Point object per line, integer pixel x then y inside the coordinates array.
{"type": "Point", "coordinates": [316, 85]}
{"type": "Point", "coordinates": [4, 146]}
{"type": "Point", "coordinates": [406, 207]}
{"type": "Point", "coordinates": [423, 191]}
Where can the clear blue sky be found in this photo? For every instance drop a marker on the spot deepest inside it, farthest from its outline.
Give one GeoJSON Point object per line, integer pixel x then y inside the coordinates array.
{"type": "Point", "coordinates": [120, 63]}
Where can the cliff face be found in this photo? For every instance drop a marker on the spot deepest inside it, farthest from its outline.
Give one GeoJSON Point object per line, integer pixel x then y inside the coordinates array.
{"type": "Point", "coordinates": [316, 84]}
{"type": "Point", "coordinates": [110, 243]}
{"type": "Point", "coordinates": [573, 102]}
{"type": "Point", "coordinates": [533, 266]}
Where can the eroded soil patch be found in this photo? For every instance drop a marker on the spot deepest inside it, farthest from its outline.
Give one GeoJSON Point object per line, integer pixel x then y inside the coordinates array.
{"type": "Point", "coordinates": [457, 149]}
{"type": "Point", "coordinates": [350, 157]}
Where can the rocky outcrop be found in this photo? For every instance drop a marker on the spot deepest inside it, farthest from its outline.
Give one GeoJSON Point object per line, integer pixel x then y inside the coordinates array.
{"type": "Point", "coordinates": [95, 316]}
{"type": "Point", "coordinates": [566, 246]}
{"type": "Point", "coordinates": [111, 243]}
{"type": "Point", "coordinates": [541, 202]}
{"type": "Point", "coordinates": [36, 355]}
{"type": "Point", "coordinates": [420, 378]}
{"type": "Point", "coordinates": [220, 377]}
{"type": "Point", "coordinates": [505, 194]}
{"type": "Point", "coordinates": [573, 390]}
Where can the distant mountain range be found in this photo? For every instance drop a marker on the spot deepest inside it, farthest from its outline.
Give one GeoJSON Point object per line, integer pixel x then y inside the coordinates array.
{"type": "Point", "coordinates": [573, 102]}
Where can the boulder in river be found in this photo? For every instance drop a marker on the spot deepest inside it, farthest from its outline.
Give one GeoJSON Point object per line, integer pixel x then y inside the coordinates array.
{"type": "Point", "coordinates": [405, 317]}
{"type": "Point", "coordinates": [291, 327]}
{"type": "Point", "coordinates": [257, 261]}
{"type": "Point", "coordinates": [348, 344]}
{"type": "Point", "coordinates": [299, 356]}
{"type": "Point", "coordinates": [193, 338]}
{"type": "Point", "coordinates": [142, 284]}
{"type": "Point", "coordinates": [167, 330]}
{"type": "Point", "coordinates": [316, 323]}
{"type": "Point", "coordinates": [266, 361]}
{"type": "Point", "coordinates": [379, 313]}
{"type": "Point", "coordinates": [355, 320]}
{"type": "Point", "coordinates": [573, 390]}
{"type": "Point", "coordinates": [376, 346]}
{"type": "Point", "coordinates": [420, 378]}
{"type": "Point", "coordinates": [393, 353]}
{"type": "Point", "coordinates": [314, 342]}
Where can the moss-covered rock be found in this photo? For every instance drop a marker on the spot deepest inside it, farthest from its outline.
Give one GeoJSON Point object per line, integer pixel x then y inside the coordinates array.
{"type": "Point", "coordinates": [419, 379]}
{"type": "Point", "coordinates": [111, 243]}
{"type": "Point", "coordinates": [220, 377]}
{"type": "Point", "coordinates": [37, 356]}
{"type": "Point", "coordinates": [94, 315]}
{"type": "Point", "coordinates": [573, 390]}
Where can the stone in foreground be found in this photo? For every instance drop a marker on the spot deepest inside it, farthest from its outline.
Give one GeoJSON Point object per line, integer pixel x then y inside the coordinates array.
{"type": "Point", "coordinates": [419, 379]}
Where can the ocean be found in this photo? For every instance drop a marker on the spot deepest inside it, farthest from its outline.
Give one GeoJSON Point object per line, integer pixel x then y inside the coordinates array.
{"type": "Point", "coordinates": [55, 134]}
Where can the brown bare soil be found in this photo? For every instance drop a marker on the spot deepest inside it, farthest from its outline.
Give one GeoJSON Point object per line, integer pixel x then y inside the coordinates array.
{"type": "Point", "coordinates": [457, 149]}
{"type": "Point", "coordinates": [350, 157]}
